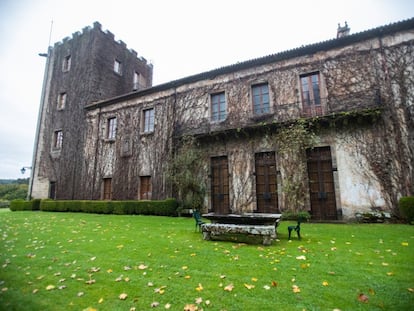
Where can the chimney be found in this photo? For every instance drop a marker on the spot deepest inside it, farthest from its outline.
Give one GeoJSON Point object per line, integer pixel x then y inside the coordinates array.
{"type": "Point", "coordinates": [342, 31]}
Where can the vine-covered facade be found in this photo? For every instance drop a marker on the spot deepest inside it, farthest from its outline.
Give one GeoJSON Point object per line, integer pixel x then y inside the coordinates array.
{"type": "Point", "coordinates": [326, 128]}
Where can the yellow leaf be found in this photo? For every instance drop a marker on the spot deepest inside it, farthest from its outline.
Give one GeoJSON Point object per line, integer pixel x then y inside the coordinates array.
{"type": "Point", "coordinates": [411, 290]}
{"type": "Point", "coordinates": [385, 264]}
{"type": "Point", "coordinates": [123, 296]}
{"type": "Point", "coordinates": [190, 307]}
{"type": "Point", "coordinates": [295, 289]}
{"type": "Point", "coordinates": [199, 288]}
{"type": "Point", "coordinates": [199, 300]}
{"type": "Point", "coordinates": [187, 277]}
{"type": "Point", "coordinates": [325, 283]}
{"type": "Point", "coordinates": [229, 288]}
{"type": "Point", "coordinates": [142, 267]}
{"type": "Point", "coordinates": [404, 243]}
{"type": "Point", "coordinates": [184, 267]}
{"type": "Point", "coordinates": [248, 286]}
{"type": "Point", "coordinates": [50, 287]}
{"type": "Point", "coordinates": [301, 257]}
{"type": "Point", "coordinates": [254, 279]}
{"type": "Point", "coordinates": [167, 306]}
{"type": "Point", "coordinates": [100, 300]}
{"type": "Point", "coordinates": [390, 273]}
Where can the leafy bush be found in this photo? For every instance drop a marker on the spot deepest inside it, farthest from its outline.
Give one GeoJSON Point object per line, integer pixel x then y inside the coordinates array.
{"type": "Point", "coordinates": [303, 216]}
{"type": "Point", "coordinates": [406, 206]}
{"type": "Point", "coordinates": [23, 205]}
{"type": "Point", "coordinates": [160, 208]}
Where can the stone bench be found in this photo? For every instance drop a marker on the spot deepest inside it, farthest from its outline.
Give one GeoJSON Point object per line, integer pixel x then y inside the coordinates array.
{"type": "Point", "coordinates": [213, 230]}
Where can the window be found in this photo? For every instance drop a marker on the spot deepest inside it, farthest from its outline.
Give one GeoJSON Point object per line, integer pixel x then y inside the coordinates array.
{"type": "Point", "coordinates": [117, 67]}
{"type": "Point", "coordinates": [66, 63]}
{"type": "Point", "coordinates": [310, 90]}
{"type": "Point", "coordinates": [260, 94]}
{"type": "Point", "coordinates": [107, 189]}
{"type": "Point", "coordinates": [58, 139]}
{"type": "Point", "coordinates": [135, 85]}
{"type": "Point", "coordinates": [218, 107]}
{"type": "Point", "coordinates": [148, 125]}
{"type": "Point", "coordinates": [61, 101]}
{"type": "Point", "coordinates": [111, 128]}
{"type": "Point", "coordinates": [145, 192]}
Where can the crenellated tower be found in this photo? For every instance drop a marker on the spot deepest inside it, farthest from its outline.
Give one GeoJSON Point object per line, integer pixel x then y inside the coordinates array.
{"type": "Point", "coordinates": [88, 67]}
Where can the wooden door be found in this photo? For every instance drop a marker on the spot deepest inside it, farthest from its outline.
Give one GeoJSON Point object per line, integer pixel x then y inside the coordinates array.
{"type": "Point", "coordinates": [266, 182]}
{"type": "Point", "coordinates": [220, 185]}
{"type": "Point", "coordinates": [321, 184]}
{"type": "Point", "coordinates": [145, 192]}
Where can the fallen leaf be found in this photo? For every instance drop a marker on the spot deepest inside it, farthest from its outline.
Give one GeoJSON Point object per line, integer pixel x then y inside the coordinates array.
{"type": "Point", "coordinates": [167, 306]}
{"type": "Point", "coordinates": [363, 298]}
{"type": "Point", "coordinates": [90, 282]}
{"type": "Point", "coordinates": [199, 288]}
{"type": "Point", "coordinates": [155, 304]}
{"type": "Point", "coordinates": [266, 287]}
{"type": "Point", "coordinates": [385, 264]}
{"type": "Point", "coordinates": [248, 286]}
{"type": "Point", "coordinates": [254, 279]}
{"type": "Point", "coordinates": [190, 307]}
{"type": "Point", "coordinates": [301, 257]}
{"type": "Point", "coordinates": [199, 300]}
{"type": "Point", "coordinates": [274, 284]}
{"type": "Point", "coordinates": [101, 300]}
{"type": "Point", "coordinates": [229, 288]}
{"type": "Point", "coordinates": [404, 243]}
{"type": "Point", "coordinates": [142, 267]}
{"type": "Point", "coordinates": [325, 283]}
{"type": "Point", "coordinates": [295, 289]}
{"type": "Point", "coordinates": [80, 294]}
{"type": "Point", "coordinates": [109, 270]}
{"type": "Point", "coordinates": [411, 290]}
{"type": "Point", "coordinates": [123, 296]}
{"type": "Point", "coordinates": [50, 287]}
{"type": "Point", "coordinates": [35, 291]}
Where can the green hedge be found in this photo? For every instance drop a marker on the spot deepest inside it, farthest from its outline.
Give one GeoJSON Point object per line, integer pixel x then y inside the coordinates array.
{"type": "Point", "coordinates": [166, 207]}
{"type": "Point", "coordinates": [406, 205]}
{"type": "Point", "coordinates": [23, 205]}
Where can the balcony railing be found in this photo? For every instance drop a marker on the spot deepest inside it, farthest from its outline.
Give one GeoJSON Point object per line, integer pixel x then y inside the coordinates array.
{"type": "Point", "coordinates": [240, 119]}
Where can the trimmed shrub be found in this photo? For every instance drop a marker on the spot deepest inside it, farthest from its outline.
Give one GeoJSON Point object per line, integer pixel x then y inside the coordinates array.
{"type": "Point", "coordinates": [23, 205]}
{"type": "Point", "coordinates": [159, 208]}
{"type": "Point", "coordinates": [406, 206]}
{"type": "Point", "coordinates": [303, 216]}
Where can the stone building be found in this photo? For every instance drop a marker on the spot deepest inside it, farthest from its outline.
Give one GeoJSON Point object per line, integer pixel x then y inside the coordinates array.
{"type": "Point", "coordinates": [327, 128]}
{"type": "Point", "coordinates": [85, 68]}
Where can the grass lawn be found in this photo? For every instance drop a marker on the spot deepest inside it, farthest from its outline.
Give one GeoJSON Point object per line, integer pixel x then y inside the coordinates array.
{"type": "Point", "coordinates": [65, 261]}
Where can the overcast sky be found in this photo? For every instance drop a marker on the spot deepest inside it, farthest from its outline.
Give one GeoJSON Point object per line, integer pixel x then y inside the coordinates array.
{"type": "Point", "coordinates": [179, 37]}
